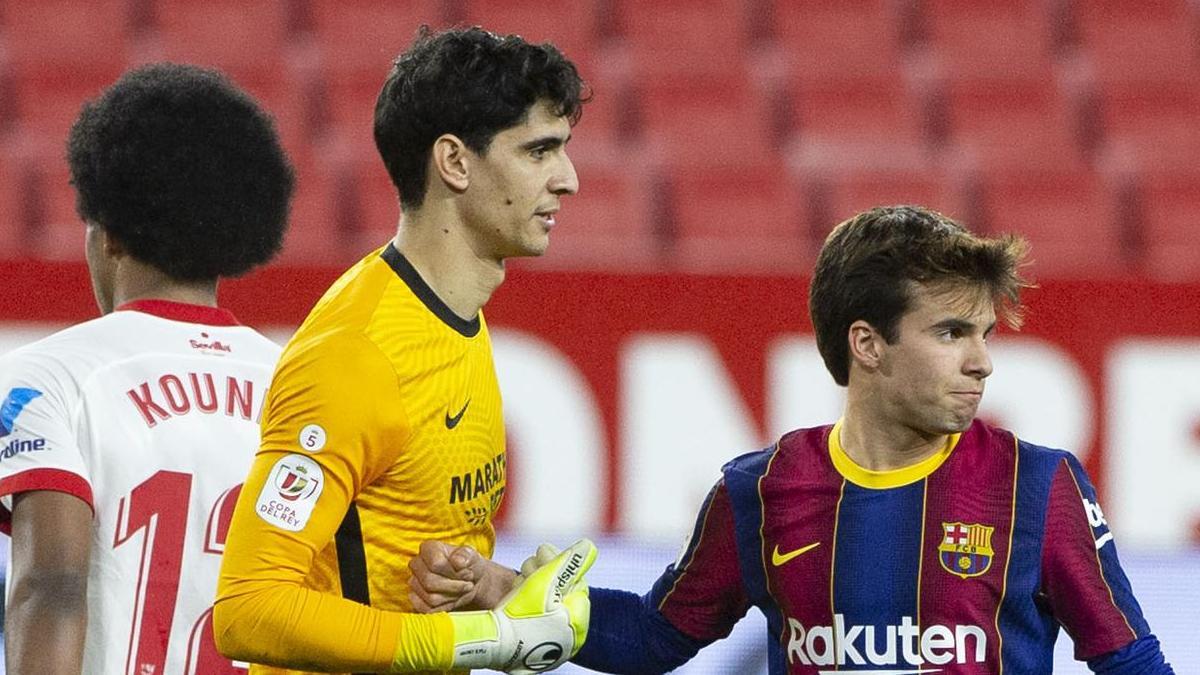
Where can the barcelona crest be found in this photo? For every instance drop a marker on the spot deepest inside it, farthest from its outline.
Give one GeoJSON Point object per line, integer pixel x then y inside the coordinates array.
{"type": "Point", "coordinates": [966, 549]}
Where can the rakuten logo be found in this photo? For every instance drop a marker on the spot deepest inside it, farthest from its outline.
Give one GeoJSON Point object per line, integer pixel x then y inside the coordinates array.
{"type": "Point", "coordinates": [842, 645]}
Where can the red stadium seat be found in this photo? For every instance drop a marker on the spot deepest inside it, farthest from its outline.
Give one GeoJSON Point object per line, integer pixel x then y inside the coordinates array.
{"type": "Point", "coordinates": [1007, 122]}
{"type": "Point", "coordinates": [837, 40]}
{"type": "Point", "coordinates": [366, 205]}
{"type": "Point", "coordinates": [1171, 225]}
{"type": "Point", "coordinates": [744, 218]}
{"type": "Point", "coordinates": [345, 107]}
{"type": "Point", "coordinates": [571, 26]}
{"type": "Point", "coordinates": [702, 121]}
{"type": "Point", "coordinates": [247, 40]}
{"type": "Point", "coordinates": [843, 79]}
{"type": "Point", "coordinates": [360, 37]}
{"type": "Point", "coordinates": [865, 110]}
{"type": "Point", "coordinates": [607, 117]}
{"type": "Point", "coordinates": [288, 106]}
{"type": "Point", "coordinates": [54, 229]}
{"type": "Point", "coordinates": [48, 107]}
{"type": "Point", "coordinates": [1150, 41]}
{"type": "Point", "coordinates": [692, 37]}
{"type": "Point", "coordinates": [8, 98]}
{"type": "Point", "coordinates": [312, 224]}
{"type": "Point", "coordinates": [989, 39]}
{"type": "Point", "coordinates": [1151, 126]}
{"type": "Point", "coordinates": [358, 40]}
{"type": "Point", "coordinates": [836, 193]}
{"type": "Point", "coordinates": [12, 211]}
{"type": "Point", "coordinates": [56, 37]}
{"type": "Point", "coordinates": [344, 205]}
{"type": "Point", "coordinates": [62, 53]}
{"type": "Point", "coordinates": [1069, 218]}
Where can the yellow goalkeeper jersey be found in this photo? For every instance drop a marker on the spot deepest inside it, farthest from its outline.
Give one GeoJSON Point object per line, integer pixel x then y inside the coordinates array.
{"type": "Point", "coordinates": [382, 429]}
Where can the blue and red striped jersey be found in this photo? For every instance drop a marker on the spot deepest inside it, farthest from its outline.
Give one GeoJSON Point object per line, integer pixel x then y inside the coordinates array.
{"type": "Point", "coordinates": [967, 562]}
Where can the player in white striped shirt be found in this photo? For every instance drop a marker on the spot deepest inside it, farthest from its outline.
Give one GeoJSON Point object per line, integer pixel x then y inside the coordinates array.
{"type": "Point", "coordinates": [123, 439]}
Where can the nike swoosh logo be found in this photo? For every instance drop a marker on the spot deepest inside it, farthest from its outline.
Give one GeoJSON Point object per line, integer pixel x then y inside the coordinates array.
{"type": "Point", "coordinates": [778, 558]}
{"type": "Point", "coordinates": [452, 422]}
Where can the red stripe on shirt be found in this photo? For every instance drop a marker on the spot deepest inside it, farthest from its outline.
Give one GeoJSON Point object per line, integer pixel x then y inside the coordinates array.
{"type": "Point", "coordinates": [973, 487]}
{"type": "Point", "coordinates": [1073, 576]}
{"type": "Point", "coordinates": [182, 311]}
{"type": "Point", "coordinates": [53, 480]}
{"type": "Point", "coordinates": [708, 595]}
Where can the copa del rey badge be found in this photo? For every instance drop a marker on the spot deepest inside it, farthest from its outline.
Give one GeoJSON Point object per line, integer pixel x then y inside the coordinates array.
{"type": "Point", "coordinates": [290, 492]}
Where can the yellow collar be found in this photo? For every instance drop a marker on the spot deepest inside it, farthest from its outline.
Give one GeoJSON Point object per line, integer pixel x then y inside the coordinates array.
{"type": "Point", "coordinates": [881, 480]}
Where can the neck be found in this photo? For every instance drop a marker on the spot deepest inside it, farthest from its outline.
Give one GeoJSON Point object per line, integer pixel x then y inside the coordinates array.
{"type": "Point", "coordinates": [878, 441]}
{"type": "Point", "coordinates": [135, 281]}
{"type": "Point", "coordinates": [436, 247]}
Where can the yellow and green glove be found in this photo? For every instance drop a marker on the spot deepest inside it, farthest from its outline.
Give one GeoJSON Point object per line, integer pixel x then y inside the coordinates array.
{"type": "Point", "coordinates": [540, 624]}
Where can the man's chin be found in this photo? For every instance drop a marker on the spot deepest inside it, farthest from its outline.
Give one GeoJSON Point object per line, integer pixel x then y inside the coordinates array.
{"type": "Point", "coordinates": [533, 249]}
{"type": "Point", "coordinates": [956, 422]}
{"type": "Point", "coordinates": [961, 424]}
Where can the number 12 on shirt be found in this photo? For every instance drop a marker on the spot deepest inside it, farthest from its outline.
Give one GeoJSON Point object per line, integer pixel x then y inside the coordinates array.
{"type": "Point", "coordinates": [158, 508]}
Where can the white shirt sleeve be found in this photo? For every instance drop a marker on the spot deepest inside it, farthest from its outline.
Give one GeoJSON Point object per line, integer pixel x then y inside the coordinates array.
{"type": "Point", "coordinates": [39, 448]}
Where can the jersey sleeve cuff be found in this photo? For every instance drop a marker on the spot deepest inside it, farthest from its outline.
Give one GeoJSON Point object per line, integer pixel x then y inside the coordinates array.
{"type": "Point", "coordinates": [54, 480]}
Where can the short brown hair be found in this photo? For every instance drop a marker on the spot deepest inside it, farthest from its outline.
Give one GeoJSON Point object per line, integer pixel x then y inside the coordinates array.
{"type": "Point", "coordinates": [868, 266]}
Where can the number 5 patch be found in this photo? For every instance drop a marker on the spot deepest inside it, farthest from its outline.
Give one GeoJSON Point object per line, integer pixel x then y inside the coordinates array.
{"type": "Point", "coordinates": [290, 493]}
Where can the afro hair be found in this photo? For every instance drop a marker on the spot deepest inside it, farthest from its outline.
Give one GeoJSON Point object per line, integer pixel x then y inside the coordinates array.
{"type": "Point", "coordinates": [184, 170]}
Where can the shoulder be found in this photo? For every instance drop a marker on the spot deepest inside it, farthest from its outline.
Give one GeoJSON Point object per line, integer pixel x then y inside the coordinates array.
{"type": "Point", "coordinates": [69, 355]}
{"type": "Point", "coordinates": [1045, 459]}
{"type": "Point", "coordinates": [1039, 466]}
{"type": "Point", "coordinates": [987, 440]}
{"type": "Point", "coordinates": [79, 337]}
{"type": "Point", "coordinates": [752, 464]}
{"type": "Point", "coordinates": [352, 300]}
{"type": "Point", "coordinates": [346, 346]}
{"type": "Point", "coordinates": [340, 367]}
{"type": "Point", "coordinates": [797, 447]}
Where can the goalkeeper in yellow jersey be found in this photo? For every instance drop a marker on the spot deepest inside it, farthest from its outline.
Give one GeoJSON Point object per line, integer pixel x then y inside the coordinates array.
{"type": "Point", "coordinates": [383, 426]}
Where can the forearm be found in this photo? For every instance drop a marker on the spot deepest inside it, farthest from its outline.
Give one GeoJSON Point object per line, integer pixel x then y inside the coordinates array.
{"type": "Point", "coordinates": [628, 636]}
{"type": "Point", "coordinates": [46, 608]}
{"type": "Point", "coordinates": [295, 627]}
{"type": "Point", "coordinates": [46, 621]}
{"type": "Point", "coordinates": [492, 584]}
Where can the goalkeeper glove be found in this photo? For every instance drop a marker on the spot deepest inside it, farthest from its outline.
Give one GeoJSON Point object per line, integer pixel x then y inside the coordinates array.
{"type": "Point", "coordinates": [540, 624]}
{"type": "Point", "coordinates": [544, 554]}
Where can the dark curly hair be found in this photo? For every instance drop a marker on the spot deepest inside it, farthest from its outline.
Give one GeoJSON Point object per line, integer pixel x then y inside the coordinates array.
{"type": "Point", "coordinates": [184, 170]}
{"type": "Point", "coordinates": [470, 83]}
{"type": "Point", "coordinates": [868, 266]}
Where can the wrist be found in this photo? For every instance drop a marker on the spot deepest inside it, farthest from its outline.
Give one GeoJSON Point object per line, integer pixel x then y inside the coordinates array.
{"type": "Point", "coordinates": [423, 642]}
{"type": "Point", "coordinates": [500, 581]}
{"type": "Point", "coordinates": [476, 636]}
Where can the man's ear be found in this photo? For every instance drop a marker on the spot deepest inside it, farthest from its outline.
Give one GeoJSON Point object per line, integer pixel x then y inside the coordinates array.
{"type": "Point", "coordinates": [451, 162]}
{"type": "Point", "coordinates": [109, 246]}
{"type": "Point", "coordinates": [113, 248]}
{"type": "Point", "coordinates": [866, 345]}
